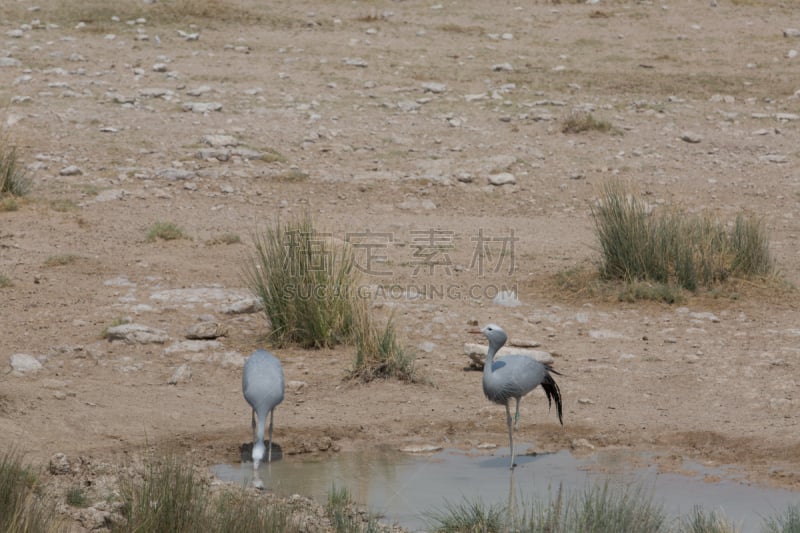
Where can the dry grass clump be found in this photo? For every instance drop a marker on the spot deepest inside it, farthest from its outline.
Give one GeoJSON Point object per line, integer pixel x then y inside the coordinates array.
{"type": "Point", "coordinates": [674, 248]}
{"type": "Point", "coordinates": [13, 179]}
{"type": "Point", "coordinates": [581, 121]}
{"type": "Point", "coordinates": [308, 284]}
{"type": "Point", "coordinates": [165, 231]}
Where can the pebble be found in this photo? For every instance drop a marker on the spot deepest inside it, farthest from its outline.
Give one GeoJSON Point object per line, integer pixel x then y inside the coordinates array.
{"type": "Point", "coordinates": [59, 464]}
{"type": "Point", "coordinates": [502, 178]}
{"type": "Point", "coordinates": [206, 330]}
{"type": "Point", "coordinates": [182, 374]}
{"type": "Point", "coordinates": [355, 62]}
{"type": "Point", "coordinates": [137, 334]}
{"type": "Point", "coordinates": [577, 444]}
{"type": "Point", "coordinates": [477, 353]}
{"type": "Point", "coordinates": [296, 386]}
{"type": "Point", "coordinates": [502, 67]}
{"type": "Point", "coordinates": [791, 32]}
{"type": "Point", "coordinates": [433, 87]}
{"type": "Point", "coordinates": [71, 170]}
{"type": "Point", "coordinates": [421, 448]}
{"type": "Point", "coordinates": [202, 107]}
{"type": "Point", "coordinates": [774, 158]}
{"type": "Point", "coordinates": [219, 141]}
{"type": "Point", "coordinates": [506, 299]}
{"type": "Point", "coordinates": [691, 137]}
{"type": "Point", "coordinates": [22, 364]}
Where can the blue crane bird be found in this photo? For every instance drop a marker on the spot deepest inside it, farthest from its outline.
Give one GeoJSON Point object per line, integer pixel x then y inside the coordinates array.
{"type": "Point", "coordinates": [514, 376]}
{"type": "Point", "coordinates": [262, 386]}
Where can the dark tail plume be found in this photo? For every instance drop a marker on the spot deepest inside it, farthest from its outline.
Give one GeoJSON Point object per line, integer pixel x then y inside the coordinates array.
{"type": "Point", "coordinates": [553, 392]}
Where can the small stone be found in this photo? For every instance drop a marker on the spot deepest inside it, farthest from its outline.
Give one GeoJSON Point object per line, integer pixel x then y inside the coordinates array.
{"type": "Point", "coordinates": [427, 346]}
{"type": "Point", "coordinates": [774, 158]}
{"type": "Point", "coordinates": [22, 364]}
{"type": "Point", "coordinates": [524, 343]}
{"type": "Point", "coordinates": [296, 386]}
{"type": "Point", "coordinates": [503, 178]}
{"type": "Point", "coordinates": [502, 67]}
{"type": "Point", "coordinates": [160, 67]}
{"type": "Point", "coordinates": [202, 107]}
{"type": "Point", "coordinates": [206, 330]}
{"type": "Point", "coordinates": [506, 299]}
{"type": "Point", "coordinates": [691, 137]}
{"type": "Point", "coordinates": [71, 170]}
{"type": "Point", "coordinates": [433, 87]}
{"type": "Point", "coordinates": [137, 334]}
{"type": "Point", "coordinates": [59, 464]}
{"type": "Point", "coordinates": [182, 374]}
{"type": "Point", "coordinates": [578, 444]}
{"type": "Point", "coordinates": [355, 62]}
{"type": "Point", "coordinates": [421, 448]}
{"type": "Point", "coordinates": [219, 141]}
{"type": "Point", "coordinates": [9, 62]}
{"type": "Point", "coordinates": [477, 353]}
{"type": "Point", "coordinates": [791, 32]}
{"type": "Point", "coordinates": [585, 401]}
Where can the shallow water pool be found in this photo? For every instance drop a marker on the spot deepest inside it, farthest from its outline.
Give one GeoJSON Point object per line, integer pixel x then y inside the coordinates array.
{"type": "Point", "coordinates": [403, 487]}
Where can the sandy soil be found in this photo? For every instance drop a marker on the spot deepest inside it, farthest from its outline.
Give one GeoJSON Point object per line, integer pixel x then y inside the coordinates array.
{"type": "Point", "coordinates": [382, 147]}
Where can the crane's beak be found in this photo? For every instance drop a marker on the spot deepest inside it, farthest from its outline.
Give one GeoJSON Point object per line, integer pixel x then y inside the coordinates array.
{"type": "Point", "coordinates": [475, 331]}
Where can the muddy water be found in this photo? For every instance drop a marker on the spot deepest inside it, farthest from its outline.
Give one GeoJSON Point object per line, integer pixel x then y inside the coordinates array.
{"type": "Point", "coordinates": [402, 488]}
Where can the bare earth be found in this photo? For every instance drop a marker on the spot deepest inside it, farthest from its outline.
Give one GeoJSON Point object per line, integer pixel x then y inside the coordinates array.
{"type": "Point", "coordinates": [346, 93]}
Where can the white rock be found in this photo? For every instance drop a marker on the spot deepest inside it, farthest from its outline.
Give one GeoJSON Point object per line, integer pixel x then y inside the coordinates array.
{"type": "Point", "coordinates": [421, 448]}
{"type": "Point", "coordinates": [9, 62]}
{"type": "Point", "coordinates": [506, 299]}
{"type": "Point", "coordinates": [503, 178]}
{"type": "Point", "coordinates": [791, 32]}
{"type": "Point", "coordinates": [137, 334]}
{"type": "Point", "coordinates": [71, 170]}
{"type": "Point", "coordinates": [296, 386]}
{"type": "Point", "coordinates": [502, 67]}
{"type": "Point", "coordinates": [219, 141]}
{"type": "Point", "coordinates": [202, 107]}
{"type": "Point", "coordinates": [192, 346]}
{"type": "Point", "coordinates": [691, 137]}
{"type": "Point", "coordinates": [605, 334]}
{"type": "Point", "coordinates": [182, 374]}
{"type": "Point", "coordinates": [433, 87]}
{"type": "Point", "coordinates": [477, 353]}
{"type": "Point", "coordinates": [22, 364]}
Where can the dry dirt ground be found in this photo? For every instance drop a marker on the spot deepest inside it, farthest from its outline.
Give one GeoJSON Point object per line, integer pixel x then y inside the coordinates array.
{"type": "Point", "coordinates": [390, 118]}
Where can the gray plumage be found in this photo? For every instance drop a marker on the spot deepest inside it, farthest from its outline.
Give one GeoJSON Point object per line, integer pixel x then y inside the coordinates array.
{"type": "Point", "coordinates": [262, 385]}
{"type": "Point", "coordinates": [514, 376]}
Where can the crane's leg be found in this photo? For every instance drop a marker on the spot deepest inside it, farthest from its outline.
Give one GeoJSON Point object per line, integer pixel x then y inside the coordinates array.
{"type": "Point", "coordinates": [269, 452]}
{"type": "Point", "coordinates": [255, 433]}
{"type": "Point", "coordinates": [516, 416]}
{"type": "Point", "coordinates": [510, 434]}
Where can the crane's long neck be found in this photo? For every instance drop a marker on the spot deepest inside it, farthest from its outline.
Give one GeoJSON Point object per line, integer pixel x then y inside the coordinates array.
{"type": "Point", "coordinates": [490, 353]}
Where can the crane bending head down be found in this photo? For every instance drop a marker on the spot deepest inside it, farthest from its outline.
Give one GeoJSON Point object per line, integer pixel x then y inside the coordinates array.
{"type": "Point", "coordinates": [263, 387]}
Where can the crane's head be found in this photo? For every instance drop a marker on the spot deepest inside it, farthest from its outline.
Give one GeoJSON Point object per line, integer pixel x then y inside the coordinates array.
{"type": "Point", "coordinates": [497, 337]}
{"type": "Point", "coordinates": [258, 453]}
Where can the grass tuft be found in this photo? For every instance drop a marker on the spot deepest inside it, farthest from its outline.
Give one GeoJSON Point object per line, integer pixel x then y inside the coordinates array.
{"type": "Point", "coordinates": [472, 516]}
{"type": "Point", "coordinates": [166, 231]}
{"type": "Point", "coordinates": [344, 518]}
{"type": "Point", "coordinates": [701, 521]}
{"type": "Point", "coordinates": [785, 522]}
{"type": "Point", "coordinates": [379, 355]}
{"type": "Point", "coordinates": [21, 511]}
{"type": "Point", "coordinates": [5, 281]}
{"type": "Point", "coordinates": [13, 179]}
{"type": "Point", "coordinates": [60, 260]}
{"type": "Point", "coordinates": [224, 238]}
{"type": "Point", "coordinates": [76, 497]}
{"type": "Point", "coordinates": [672, 248]}
{"type": "Point", "coordinates": [306, 283]}
{"type": "Point", "coordinates": [581, 121]}
{"type": "Point", "coordinates": [168, 498]}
